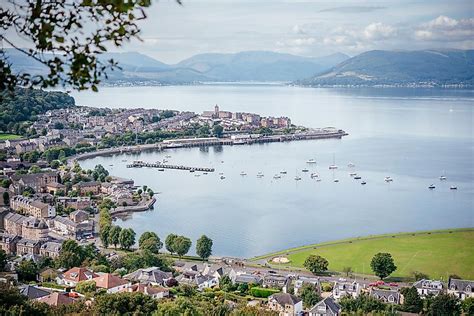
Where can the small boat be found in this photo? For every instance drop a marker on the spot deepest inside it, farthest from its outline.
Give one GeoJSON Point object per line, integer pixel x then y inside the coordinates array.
{"type": "Point", "coordinates": [453, 187]}
{"type": "Point", "coordinates": [305, 170]}
{"type": "Point", "coordinates": [204, 173]}
{"type": "Point", "coordinates": [222, 161]}
{"type": "Point", "coordinates": [277, 176]}
{"type": "Point", "coordinates": [431, 187]}
{"type": "Point", "coordinates": [311, 161]}
{"type": "Point", "coordinates": [357, 177]}
{"type": "Point", "coordinates": [111, 165]}
{"type": "Point", "coordinates": [243, 173]}
{"type": "Point", "coordinates": [336, 180]}
{"type": "Point", "coordinates": [167, 156]}
{"type": "Point", "coordinates": [124, 160]}
{"type": "Point", "coordinates": [222, 177]}
{"type": "Point", "coordinates": [161, 169]}
{"type": "Point", "coordinates": [297, 178]}
{"type": "Point", "coordinates": [165, 161]}
{"type": "Point", "coordinates": [260, 175]}
{"type": "Point", "coordinates": [351, 165]}
{"type": "Point", "coordinates": [221, 173]}
{"type": "Point", "coordinates": [363, 183]}
{"type": "Point", "coordinates": [314, 175]}
{"type": "Point", "coordinates": [318, 180]}
{"type": "Point", "coordinates": [192, 170]}
{"type": "Point", "coordinates": [352, 174]}
{"type": "Point", "coordinates": [283, 172]}
{"type": "Point", "coordinates": [388, 179]}
{"type": "Point", "coordinates": [197, 175]}
{"type": "Point", "coordinates": [333, 166]}
{"type": "Point", "coordinates": [442, 178]}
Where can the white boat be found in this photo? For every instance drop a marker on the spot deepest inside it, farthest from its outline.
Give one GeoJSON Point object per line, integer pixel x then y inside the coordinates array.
{"type": "Point", "coordinates": [314, 175]}
{"type": "Point", "coordinates": [221, 173]}
{"type": "Point", "coordinates": [442, 178]}
{"type": "Point", "coordinates": [318, 179]}
{"type": "Point", "coordinates": [353, 174]}
{"type": "Point", "coordinates": [222, 177]}
{"type": "Point", "coordinates": [277, 176]}
{"type": "Point", "coordinates": [197, 175]}
{"type": "Point", "coordinates": [431, 187]}
{"type": "Point", "coordinates": [357, 177]}
{"type": "Point", "coordinates": [363, 183]}
{"type": "Point", "coordinates": [283, 172]}
{"type": "Point", "coordinates": [260, 175]}
{"type": "Point", "coordinates": [351, 165]}
{"type": "Point", "coordinates": [204, 173]}
{"type": "Point", "coordinates": [305, 170]}
{"type": "Point", "coordinates": [297, 178]}
{"type": "Point", "coordinates": [333, 166]}
{"type": "Point", "coordinates": [311, 161]}
{"type": "Point", "coordinates": [243, 173]}
{"type": "Point", "coordinates": [453, 187]}
{"type": "Point", "coordinates": [388, 179]}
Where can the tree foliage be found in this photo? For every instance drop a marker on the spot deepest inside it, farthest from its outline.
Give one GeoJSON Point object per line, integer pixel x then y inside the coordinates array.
{"type": "Point", "coordinates": [150, 241]}
{"type": "Point", "coordinates": [310, 295]}
{"type": "Point", "coordinates": [169, 241]}
{"type": "Point", "coordinates": [3, 259]}
{"type": "Point", "coordinates": [412, 301]}
{"type": "Point", "coordinates": [443, 304]}
{"type": "Point", "coordinates": [363, 303]}
{"type": "Point", "coordinates": [204, 247]}
{"type": "Point", "coordinates": [114, 235]}
{"type": "Point", "coordinates": [316, 264]}
{"type": "Point", "coordinates": [27, 270]}
{"type": "Point", "coordinates": [383, 265]}
{"type": "Point", "coordinates": [181, 245]}
{"type": "Point", "coordinates": [86, 287]}
{"type": "Point", "coordinates": [127, 238]}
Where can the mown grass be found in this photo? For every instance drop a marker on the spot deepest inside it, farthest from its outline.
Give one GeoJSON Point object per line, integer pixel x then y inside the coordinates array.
{"type": "Point", "coordinates": [436, 253]}
{"type": "Point", "coordinates": [8, 136]}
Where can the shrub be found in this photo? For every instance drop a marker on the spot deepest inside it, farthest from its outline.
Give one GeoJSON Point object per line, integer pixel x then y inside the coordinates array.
{"type": "Point", "coordinates": [262, 292]}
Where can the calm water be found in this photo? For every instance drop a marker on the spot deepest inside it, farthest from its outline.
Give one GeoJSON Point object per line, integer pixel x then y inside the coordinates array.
{"type": "Point", "coordinates": [412, 135]}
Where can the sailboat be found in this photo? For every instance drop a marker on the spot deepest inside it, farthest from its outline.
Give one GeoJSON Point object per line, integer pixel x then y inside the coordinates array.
{"type": "Point", "coordinates": [333, 166]}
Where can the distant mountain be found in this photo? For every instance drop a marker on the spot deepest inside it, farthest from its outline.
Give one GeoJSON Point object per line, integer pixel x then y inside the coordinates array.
{"type": "Point", "coordinates": [245, 66]}
{"type": "Point", "coordinates": [400, 68]}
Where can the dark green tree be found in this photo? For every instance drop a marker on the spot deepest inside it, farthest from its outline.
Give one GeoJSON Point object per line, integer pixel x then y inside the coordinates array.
{"type": "Point", "coordinates": [468, 306]}
{"type": "Point", "coordinates": [225, 284]}
{"type": "Point", "coordinates": [104, 235]}
{"type": "Point", "coordinates": [412, 301]}
{"type": "Point", "coordinates": [181, 245]}
{"type": "Point", "coordinates": [124, 304]}
{"type": "Point", "coordinates": [71, 255]}
{"type": "Point", "coordinates": [204, 247]}
{"type": "Point", "coordinates": [310, 295]}
{"type": "Point", "coordinates": [362, 305]}
{"type": "Point", "coordinates": [27, 270]}
{"type": "Point", "coordinates": [443, 305]}
{"type": "Point", "coordinates": [127, 238]}
{"type": "Point", "coordinates": [114, 235]}
{"type": "Point", "coordinates": [3, 259]}
{"type": "Point", "coordinates": [148, 235]}
{"type": "Point", "coordinates": [217, 130]}
{"type": "Point", "coordinates": [169, 242]}
{"type": "Point", "coordinates": [316, 264]}
{"type": "Point", "coordinates": [383, 265]}
{"type": "Point", "coordinates": [152, 244]}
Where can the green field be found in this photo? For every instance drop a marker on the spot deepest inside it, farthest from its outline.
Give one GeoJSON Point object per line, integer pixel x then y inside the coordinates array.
{"type": "Point", "coordinates": [436, 253]}
{"type": "Point", "coordinates": [8, 136]}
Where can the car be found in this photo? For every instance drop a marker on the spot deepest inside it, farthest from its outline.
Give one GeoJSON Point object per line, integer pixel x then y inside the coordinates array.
{"type": "Point", "coordinates": [271, 272]}
{"type": "Point", "coordinates": [342, 280]}
{"type": "Point", "coordinates": [73, 294]}
{"type": "Point", "coordinates": [393, 284]}
{"type": "Point", "coordinates": [380, 283]}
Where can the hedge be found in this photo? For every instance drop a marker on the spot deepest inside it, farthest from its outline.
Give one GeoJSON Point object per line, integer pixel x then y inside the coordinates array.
{"type": "Point", "coordinates": [262, 292]}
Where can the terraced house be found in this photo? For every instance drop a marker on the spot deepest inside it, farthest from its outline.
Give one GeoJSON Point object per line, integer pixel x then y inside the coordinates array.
{"type": "Point", "coordinates": [462, 289]}
{"type": "Point", "coordinates": [32, 207]}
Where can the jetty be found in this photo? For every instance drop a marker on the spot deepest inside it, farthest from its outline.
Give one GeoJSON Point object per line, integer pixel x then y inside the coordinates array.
{"type": "Point", "coordinates": [159, 165]}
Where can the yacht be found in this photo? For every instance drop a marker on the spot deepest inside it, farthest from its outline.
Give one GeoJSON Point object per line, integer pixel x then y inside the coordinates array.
{"type": "Point", "coordinates": [314, 175]}
{"type": "Point", "coordinates": [305, 170]}
{"type": "Point", "coordinates": [333, 166]}
{"type": "Point", "coordinates": [318, 180]}
{"type": "Point", "coordinates": [363, 183]}
{"type": "Point", "coordinates": [388, 179]}
{"type": "Point", "coordinates": [260, 175]}
{"type": "Point", "coordinates": [352, 174]}
{"type": "Point", "coordinates": [297, 178]}
{"type": "Point", "coordinates": [283, 172]}
{"type": "Point", "coordinates": [453, 187]}
{"type": "Point", "coordinates": [161, 169]}
{"type": "Point", "coordinates": [311, 161]}
{"type": "Point", "coordinates": [197, 175]}
{"type": "Point", "coordinates": [204, 173]}
{"type": "Point", "coordinates": [431, 187]}
{"type": "Point", "coordinates": [222, 177]}
{"type": "Point", "coordinates": [243, 173]}
{"type": "Point", "coordinates": [442, 178]}
{"type": "Point", "coordinates": [277, 176]}
{"type": "Point", "coordinates": [336, 180]}
{"type": "Point", "coordinates": [357, 177]}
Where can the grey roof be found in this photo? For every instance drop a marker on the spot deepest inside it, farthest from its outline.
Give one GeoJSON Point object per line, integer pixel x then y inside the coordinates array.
{"type": "Point", "coordinates": [51, 246]}
{"type": "Point", "coordinates": [153, 275]}
{"type": "Point", "coordinates": [331, 307]}
{"type": "Point", "coordinates": [4, 237]}
{"type": "Point", "coordinates": [461, 285]}
{"type": "Point", "coordinates": [247, 278]}
{"type": "Point", "coordinates": [428, 284]}
{"type": "Point", "coordinates": [32, 292]}
{"type": "Point", "coordinates": [385, 294]}
{"type": "Point", "coordinates": [14, 217]}
{"type": "Point", "coordinates": [285, 299]}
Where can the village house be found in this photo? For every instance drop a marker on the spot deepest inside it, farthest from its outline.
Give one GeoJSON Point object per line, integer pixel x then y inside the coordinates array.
{"type": "Point", "coordinates": [33, 292]}
{"type": "Point", "coordinates": [241, 277]}
{"type": "Point", "coordinates": [302, 280]}
{"type": "Point", "coordinates": [85, 187]}
{"type": "Point", "coordinates": [32, 207]}
{"type": "Point", "coordinates": [54, 187]}
{"type": "Point", "coordinates": [75, 275]}
{"type": "Point", "coordinates": [78, 202]}
{"type": "Point", "coordinates": [79, 216]}
{"type": "Point", "coordinates": [27, 247]}
{"type": "Point", "coordinates": [341, 289]}
{"type": "Point", "coordinates": [462, 289]}
{"type": "Point", "coordinates": [152, 275]}
{"type": "Point", "coordinates": [66, 227]}
{"type": "Point", "coordinates": [275, 281]}
{"type": "Point", "coordinates": [8, 243]}
{"type": "Point", "coordinates": [26, 227]}
{"type": "Point", "coordinates": [326, 307]}
{"type": "Point", "coordinates": [386, 296]}
{"type": "Point", "coordinates": [56, 299]}
{"type": "Point", "coordinates": [154, 292]}
{"type": "Point", "coordinates": [428, 287]}
{"type": "Point", "coordinates": [36, 181]}
{"type": "Point", "coordinates": [25, 147]}
{"type": "Point", "coordinates": [50, 249]}
{"type": "Point", "coordinates": [111, 283]}
{"type": "Point", "coordinates": [285, 304]}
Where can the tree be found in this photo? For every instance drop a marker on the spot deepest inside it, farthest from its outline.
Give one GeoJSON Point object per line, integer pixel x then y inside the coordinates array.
{"type": "Point", "coordinates": [444, 304]}
{"type": "Point", "coordinates": [309, 295]}
{"type": "Point", "coordinates": [114, 235]}
{"type": "Point", "coordinates": [3, 259]}
{"type": "Point", "coordinates": [169, 241]}
{"type": "Point", "coordinates": [51, 27]}
{"type": "Point", "coordinates": [147, 235]}
{"type": "Point", "coordinates": [104, 235]}
{"type": "Point", "coordinates": [417, 275]}
{"type": "Point", "coordinates": [6, 198]}
{"type": "Point", "coordinates": [70, 255]}
{"type": "Point", "coordinates": [152, 244]}
{"type": "Point", "coordinates": [382, 264]}
{"type": "Point", "coordinates": [204, 247]}
{"type": "Point", "coordinates": [316, 264]}
{"type": "Point", "coordinates": [362, 304]}
{"type": "Point", "coordinates": [181, 245]}
{"type": "Point", "coordinates": [127, 238]}
{"type": "Point", "coordinates": [347, 270]}
{"type": "Point", "coordinates": [86, 287]}
{"type": "Point", "coordinates": [27, 270]}
{"type": "Point", "coordinates": [468, 306]}
{"type": "Point", "coordinates": [217, 130]}
{"type": "Point", "coordinates": [226, 284]}
{"type": "Point", "coordinates": [124, 304]}
{"type": "Point", "coordinates": [412, 301]}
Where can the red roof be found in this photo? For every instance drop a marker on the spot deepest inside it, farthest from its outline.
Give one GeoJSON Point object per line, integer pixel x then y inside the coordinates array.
{"type": "Point", "coordinates": [108, 281]}
{"type": "Point", "coordinates": [56, 299]}
{"type": "Point", "coordinates": [79, 274]}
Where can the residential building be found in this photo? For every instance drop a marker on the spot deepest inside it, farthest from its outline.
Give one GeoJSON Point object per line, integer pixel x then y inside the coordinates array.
{"type": "Point", "coordinates": [50, 249]}
{"type": "Point", "coordinates": [27, 247]}
{"type": "Point", "coordinates": [241, 277]}
{"type": "Point", "coordinates": [302, 280]}
{"type": "Point", "coordinates": [275, 281]}
{"type": "Point", "coordinates": [326, 307]}
{"type": "Point", "coordinates": [33, 292]}
{"type": "Point", "coordinates": [32, 207]}
{"type": "Point", "coordinates": [285, 304]}
{"type": "Point", "coordinates": [54, 187]}
{"type": "Point", "coordinates": [76, 275]}
{"type": "Point", "coordinates": [215, 270]}
{"type": "Point", "coordinates": [462, 289]}
{"type": "Point", "coordinates": [36, 181]}
{"type": "Point", "coordinates": [428, 287]}
{"type": "Point", "coordinates": [154, 292]}
{"type": "Point", "coordinates": [79, 216]}
{"type": "Point", "coordinates": [111, 283]}
{"type": "Point", "coordinates": [25, 147]}
{"type": "Point", "coordinates": [152, 275]}
{"type": "Point", "coordinates": [67, 227]}
{"type": "Point", "coordinates": [386, 296]}
{"type": "Point", "coordinates": [8, 243]}
{"type": "Point", "coordinates": [85, 187]}
{"type": "Point", "coordinates": [27, 227]}
{"type": "Point", "coordinates": [341, 289]}
{"type": "Point", "coordinates": [78, 202]}
{"type": "Point", "coordinates": [56, 299]}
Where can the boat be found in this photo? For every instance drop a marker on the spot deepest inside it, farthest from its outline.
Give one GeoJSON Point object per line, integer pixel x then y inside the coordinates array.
{"type": "Point", "coordinates": [318, 179]}
{"type": "Point", "coordinates": [297, 178]}
{"type": "Point", "coordinates": [388, 179]}
{"type": "Point", "coordinates": [222, 177]}
{"type": "Point", "coordinates": [453, 187]}
{"type": "Point", "coordinates": [305, 170]}
{"type": "Point", "coordinates": [333, 166]}
{"type": "Point", "coordinates": [221, 173]}
{"type": "Point", "coordinates": [277, 176]}
{"type": "Point", "coordinates": [283, 172]}
{"type": "Point", "coordinates": [243, 173]}
{"type": "Point", "coordinates": [431, 187]}
{"type": "Point", "coordinates": [111, 165]}
{"type": "Point", "coordinates": [351, 165]}
{"type": "Point", "coordinates": [192, 170]}
{"type": "Point", "coordinates": [314, 175]}
{"type": "Point", "coordinates": [165, 161]}
{"type": "Point", "coordinates": [352, 174]}
{"type": "Point", "coordinates": [363, 183]}
{"type": "Point", "coordinates": [336, 180]}
{"type": "Point", "coordinates": [311, 161]}
{"type": "Point", "coordinates": [167, 156]}
{"type": "Point", "coordinates": [357, 177]}
{"type": "Point", "coordinates": [161, 169]}
{"type": "Point", "coordinates": [442, 178]}
{"type": "Point", "coordinates": [197, 175]}
{"type": "Point", "coordinates": [204, 173]}
{"type": "Point", "coordinates": [124, 160]}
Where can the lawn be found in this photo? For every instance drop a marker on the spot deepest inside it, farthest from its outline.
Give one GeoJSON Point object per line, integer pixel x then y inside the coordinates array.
{"type": "Point", "coordinates": [437, 253]}
{"type": "Point", "coordinates": [8, 136]}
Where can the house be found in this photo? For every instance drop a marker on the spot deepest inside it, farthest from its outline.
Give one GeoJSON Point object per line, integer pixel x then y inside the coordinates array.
{"type": "Point", "coordinates": [32, 207]}
{"type": "Point", "coordinates": [79, 216]}
{"type": "Point", "coordinates": [54, 187]}
{"type": "Point", "coordinates": [285, 304]}
{"type": "Point", "coordinates": [341, 289]}
{"type": "Point", "coordinates": [75, 275]}
{"type": "Point", "coordinates": [36, 181]}
{"type": "Point", "coordinates": [56, 299]}
{"type": "Point", "coordinates": [462, 289]}
{"type": "Point", "coordinates": [428, 287]}
{"type": "Point", "coordinates": [85, 187]}
{"type": "Point", "coordinates": [33, 292]}
{"type": "Point", "coordinates": [8, 243]}
{"type": "Point", "coordinates": [275, 281]}
{"type": "Point", "coordinates": [195, 278]}
{"type": "Point", "coordinates": [240, 277]}
{"type": "Point", "coordinates": [27, 247]}
{"type": "Point", "coordinates": [153, 276]}
{"type": "Point", "coordinates": [154, 292]}
{"type": "Point", "coordinates": [215, 270]}
{"type": "Point", "coordinates": [326, 307]}
{"type": "Point", "coordinates": [25, 147]}
{"type": "Point", "coordinates": [386, 296]}
{"type": "Point", "coordinates": [50, 249]}
{"type": "Point", "coordinates": [78, 202]}
{"type": "Point", "coordinates": [48, 275]}
{"type": "Point", "coordinates": [302, 280]}
{"type": "Point", "coordinates": [111, 283]}
{"type": "Point", "coordinates": [67, 227]}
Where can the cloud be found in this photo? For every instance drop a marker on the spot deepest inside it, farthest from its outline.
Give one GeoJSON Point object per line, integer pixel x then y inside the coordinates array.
{"type": "Point", "coordinates": [444, 28]}
{"type": "Point", "coordinates": [353, 9]}
{"type": "Point", "coordinates": [297, 29]}
{"type": "Point", "coordinates": [379, 31]}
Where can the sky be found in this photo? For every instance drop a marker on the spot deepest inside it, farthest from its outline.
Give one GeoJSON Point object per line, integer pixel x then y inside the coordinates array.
{"type": "Point", "coordinates": [303, 27]}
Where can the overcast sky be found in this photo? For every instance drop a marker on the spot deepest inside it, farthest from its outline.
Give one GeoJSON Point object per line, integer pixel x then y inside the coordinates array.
{"type": "Point", "coordinates": [303, 27]}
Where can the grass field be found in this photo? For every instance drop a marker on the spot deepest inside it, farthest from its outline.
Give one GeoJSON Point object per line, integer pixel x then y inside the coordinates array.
{"type": "Point", "coordinates": [8, 136]}
{"type": "Point", "coordinates": [436, 253]}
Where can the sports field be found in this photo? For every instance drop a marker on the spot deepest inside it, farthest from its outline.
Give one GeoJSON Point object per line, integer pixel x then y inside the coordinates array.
{"type": "Point", "coordinates": [435, 253]}
{"type": "Point", "coordinates": [8, 136]}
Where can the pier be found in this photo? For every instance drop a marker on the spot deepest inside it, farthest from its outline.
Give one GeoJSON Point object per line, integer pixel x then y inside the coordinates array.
{"type": "Point", "coordinates": [141, 164]}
